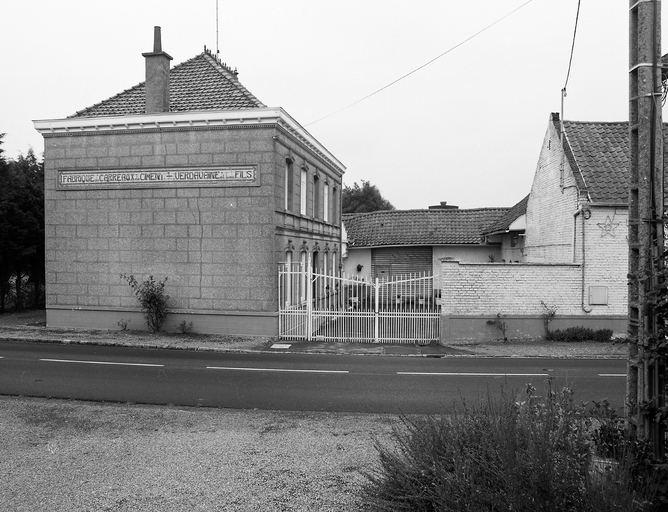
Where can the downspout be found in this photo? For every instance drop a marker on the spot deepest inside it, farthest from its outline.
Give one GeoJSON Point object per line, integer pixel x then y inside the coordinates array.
{"type": "Point", "coordinates": [583, 212]}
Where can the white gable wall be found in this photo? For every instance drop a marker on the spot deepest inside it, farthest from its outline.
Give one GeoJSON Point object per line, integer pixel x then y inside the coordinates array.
{"type": "Point", "coordinates": [552, 203]}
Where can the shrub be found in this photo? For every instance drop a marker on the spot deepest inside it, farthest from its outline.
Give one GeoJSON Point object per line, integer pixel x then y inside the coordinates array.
{"type": "Point", "coordinates": [579, 334]}
{"type": "Point", "coordinates": [152, 298]}
{"type": "Point", "coordinates": [499, 324]}
{"type": "Point", "coordinates": [185, 327]}
{"type": "Point", "coordinates": [498, 454]}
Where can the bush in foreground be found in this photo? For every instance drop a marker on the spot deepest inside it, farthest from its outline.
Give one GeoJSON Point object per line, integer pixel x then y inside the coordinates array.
{"type": "Point", "coordinates": [501, 454]}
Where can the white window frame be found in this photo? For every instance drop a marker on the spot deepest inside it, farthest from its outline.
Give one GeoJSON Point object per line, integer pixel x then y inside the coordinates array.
{"type": "Point", "coordinates": [287, 183]}
{"type": "Point", "coordinates": [302, 189]}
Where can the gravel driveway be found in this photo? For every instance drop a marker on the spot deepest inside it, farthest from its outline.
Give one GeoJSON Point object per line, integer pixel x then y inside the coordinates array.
{"type": "Point", "coordinates": [58, 455]}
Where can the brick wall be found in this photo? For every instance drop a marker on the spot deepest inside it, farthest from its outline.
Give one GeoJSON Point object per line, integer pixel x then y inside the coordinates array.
{"type": "Point", "coordinates": [473, 293]}
{"type": "Point", "coordinates": [517, 288]}
{"type": "Point", "coordinates": [606, 255]}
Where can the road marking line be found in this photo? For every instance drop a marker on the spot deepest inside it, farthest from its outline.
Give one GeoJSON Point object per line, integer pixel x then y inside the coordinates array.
{"type": "Point", "coordinates": [612, 375]}
{"type": "Point", "coordinates": [477, 374]}
{"type": "Point", "coordinates": [99, 362]}
{"type": "Point", "coordinates": [273, 369]}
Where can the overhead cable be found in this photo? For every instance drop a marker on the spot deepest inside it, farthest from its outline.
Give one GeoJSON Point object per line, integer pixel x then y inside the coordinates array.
{"type": "Point", "coordinates": [423, 65]}
{"type": "Point", "coordinates": [570, 60]}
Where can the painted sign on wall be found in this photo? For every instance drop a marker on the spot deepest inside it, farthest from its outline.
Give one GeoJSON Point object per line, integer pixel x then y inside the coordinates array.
{"type": "Point", "coordinates": [175, 177]}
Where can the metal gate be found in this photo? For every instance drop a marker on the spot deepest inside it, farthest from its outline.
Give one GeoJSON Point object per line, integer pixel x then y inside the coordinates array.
{"type": "Point", "coordinates": [324, 307]}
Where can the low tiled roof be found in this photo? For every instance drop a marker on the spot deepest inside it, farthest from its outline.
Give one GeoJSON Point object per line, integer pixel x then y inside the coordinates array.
{"type": "Point", "coordinates": [201, 83]}
{"type": "Point", "coordinates": [599, 156]}
{"type": "Point", "coordinates": [419, 227]}
{"type": "Point", "coordinates": [504, 222]}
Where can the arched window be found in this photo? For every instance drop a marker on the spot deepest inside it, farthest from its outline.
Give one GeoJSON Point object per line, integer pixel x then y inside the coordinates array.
{"type": "Point", "coordinates": [290, 278]}
{"type": "Point", "coordinates": [303, 260]}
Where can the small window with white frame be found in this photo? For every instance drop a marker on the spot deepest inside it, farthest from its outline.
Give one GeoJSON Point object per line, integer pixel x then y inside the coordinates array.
{"type": "Point", "coordinates": [302, 191]}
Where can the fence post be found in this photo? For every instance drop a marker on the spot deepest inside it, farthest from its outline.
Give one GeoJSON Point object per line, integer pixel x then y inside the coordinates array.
{"type": "Point", "coordinates": [376, 289]}
{"type": "Point", "coordinates": [309, 299]}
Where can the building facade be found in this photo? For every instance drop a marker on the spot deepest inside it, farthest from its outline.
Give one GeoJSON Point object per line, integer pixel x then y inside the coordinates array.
{"type": "Point", "coordinates": [189, 177]}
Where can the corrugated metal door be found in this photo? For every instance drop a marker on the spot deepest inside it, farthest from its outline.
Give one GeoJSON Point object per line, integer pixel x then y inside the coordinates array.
{"type": "Point", "coordinates": [393, 261]}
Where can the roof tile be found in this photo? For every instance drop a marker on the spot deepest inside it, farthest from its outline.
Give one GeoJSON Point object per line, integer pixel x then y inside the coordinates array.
{"type": "Point", "coordinates": [419, 227]}
{"type": "Point", "coordinates": [201, 83]}
{"type": "Point", "coordinates": [599, 155]}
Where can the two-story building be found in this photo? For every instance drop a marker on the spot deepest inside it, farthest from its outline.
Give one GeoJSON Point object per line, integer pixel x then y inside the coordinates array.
{"type": "Point", "coordinates": [187, 176]}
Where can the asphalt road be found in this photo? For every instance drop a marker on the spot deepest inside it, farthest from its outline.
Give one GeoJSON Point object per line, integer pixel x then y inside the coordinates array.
{"type": "Point", "coordinates": [298, 382]}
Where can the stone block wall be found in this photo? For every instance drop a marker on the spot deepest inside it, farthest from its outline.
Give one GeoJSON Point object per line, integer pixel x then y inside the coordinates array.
{"type": "Point", "coordinates": [214, 243]}
{"type": "Point", "coordinates": [311, 232]}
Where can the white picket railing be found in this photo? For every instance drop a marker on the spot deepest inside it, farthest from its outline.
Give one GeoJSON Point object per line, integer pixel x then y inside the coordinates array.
{"type": "Point", "coordinates": [318, 306]}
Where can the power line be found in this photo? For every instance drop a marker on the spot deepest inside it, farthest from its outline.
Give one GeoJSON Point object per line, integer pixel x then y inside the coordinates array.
{"type": "Point", "coordinates": [423, 65]}
{"type": "Point", "coordinates": [570, 60]}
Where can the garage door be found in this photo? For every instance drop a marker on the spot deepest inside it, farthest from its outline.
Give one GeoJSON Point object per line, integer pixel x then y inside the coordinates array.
{"type": "Point", "coordinates": [394, 261]}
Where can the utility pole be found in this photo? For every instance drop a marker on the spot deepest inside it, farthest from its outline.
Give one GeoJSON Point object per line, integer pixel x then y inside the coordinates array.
{"type": "Point", "coordinates": [645, 377]}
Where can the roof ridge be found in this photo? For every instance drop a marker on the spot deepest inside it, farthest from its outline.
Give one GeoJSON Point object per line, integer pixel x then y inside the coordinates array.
{"type": "Point", "coordinates": [220, 63]}
{"type": "Point", "coordinates": [595, 122]}
{"type": "Point", "coordinates": [434, 211]}
{"type": "Point", "coordinates": [226, 71]}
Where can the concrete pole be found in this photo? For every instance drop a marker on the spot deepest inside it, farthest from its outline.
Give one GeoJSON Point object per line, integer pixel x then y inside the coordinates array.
{"type": "Point", "coordinates": [645, 207]}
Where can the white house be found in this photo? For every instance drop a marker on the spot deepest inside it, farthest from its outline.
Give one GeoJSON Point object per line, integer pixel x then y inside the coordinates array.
{"type": "Point", "coordinates": [574, 256]}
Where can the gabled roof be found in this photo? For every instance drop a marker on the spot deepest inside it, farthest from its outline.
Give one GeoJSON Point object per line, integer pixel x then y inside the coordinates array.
{"type": "Point", "coordinates": [503, 223]}
{"type": "Point", "coordinates": [419, 227]}
{"type": "Point", "coordinates": [201, 83]}
{"type": "Point", "coordinates": [599, 156]}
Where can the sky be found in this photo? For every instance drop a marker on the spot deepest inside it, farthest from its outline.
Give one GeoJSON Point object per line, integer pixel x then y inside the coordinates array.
{"type": "Point", "coordinates": [467, 128]}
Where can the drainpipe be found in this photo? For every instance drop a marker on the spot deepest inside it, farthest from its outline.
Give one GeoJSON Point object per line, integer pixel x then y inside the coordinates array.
{"type": "Point", "coordinates": [585, 213]}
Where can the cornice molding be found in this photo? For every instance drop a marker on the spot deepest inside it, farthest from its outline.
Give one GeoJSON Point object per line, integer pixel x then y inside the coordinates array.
{"type": "Point", "coordinates": [257, 117]}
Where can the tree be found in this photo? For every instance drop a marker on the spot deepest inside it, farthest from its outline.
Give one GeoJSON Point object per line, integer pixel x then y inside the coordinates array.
{"type": "Point", "coordinates": [21, 227]}
{"type": "Point", "coordinates": [366, 198]}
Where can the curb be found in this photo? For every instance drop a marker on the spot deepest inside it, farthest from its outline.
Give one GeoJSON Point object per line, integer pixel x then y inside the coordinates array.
{"type": "Point", "coordinates": [309, 351]}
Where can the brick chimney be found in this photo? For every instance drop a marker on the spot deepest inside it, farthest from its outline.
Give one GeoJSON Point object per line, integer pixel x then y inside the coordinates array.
{"type": "Point", "coordinates": [444, 206]}
{"type": "Point", "coordinates": [157, 76]}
